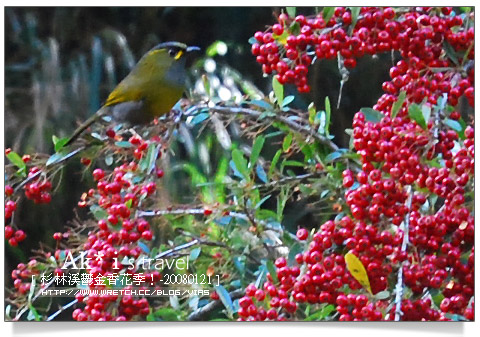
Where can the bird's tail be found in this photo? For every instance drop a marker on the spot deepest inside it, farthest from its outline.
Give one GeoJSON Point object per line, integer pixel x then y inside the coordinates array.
{"type": "Point", "coordinates": [100, 113]}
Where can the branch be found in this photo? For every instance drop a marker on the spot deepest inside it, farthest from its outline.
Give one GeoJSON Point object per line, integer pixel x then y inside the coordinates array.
{"type": "Point", "coordinates": [284, 180]}
{"type": "Point", "coordinates": [201, 313]}
{"type": "Point", "coordinates": [279, 118]}
{"type": "Point", "coordinates": [26, 307]}
{"type": "Point", "coordinates": [35, 175]}
{"type": "Point", "coordinates": [63, 308]}
{"type": "Point", "coordinates": [190, 211]}
{"type": "Point", "coordinates": [399, 286]}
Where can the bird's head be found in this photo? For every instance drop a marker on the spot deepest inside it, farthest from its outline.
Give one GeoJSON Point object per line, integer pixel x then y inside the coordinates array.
{"type": "Point", "coordinates": [175, 50]}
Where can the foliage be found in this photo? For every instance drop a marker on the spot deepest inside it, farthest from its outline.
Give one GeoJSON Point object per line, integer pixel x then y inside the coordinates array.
{"type": "Point", "coordinates": [278, 220]}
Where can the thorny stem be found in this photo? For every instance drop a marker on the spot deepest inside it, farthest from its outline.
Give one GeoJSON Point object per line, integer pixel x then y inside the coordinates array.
{"type": "Point", "coordinates": [399, 286]}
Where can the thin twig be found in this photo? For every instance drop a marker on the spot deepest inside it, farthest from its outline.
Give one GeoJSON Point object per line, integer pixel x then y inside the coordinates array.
{"type": "Point", "coordinates": [26, 307]}
{"type": "Point", "coordinates": [36, 174]}
{"type": "Point", "coordinates": [399, 286]}
{"type": "Point", "coordinates": [63, 308]}
{"type": "Point", "coordinates": [284, 180]}
{"type": "Point", "coordinates": [276, 117]}
{"type": "Point", "coordinates": [193, 211]}
{"type": "Point", "coordinates": [201, 313]}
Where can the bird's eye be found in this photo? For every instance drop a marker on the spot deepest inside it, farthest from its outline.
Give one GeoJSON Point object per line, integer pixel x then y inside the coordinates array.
{"type": "Point", "coordinates": [172, 52]}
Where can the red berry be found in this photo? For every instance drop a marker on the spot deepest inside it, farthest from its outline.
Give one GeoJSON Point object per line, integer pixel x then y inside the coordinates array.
{"type": "Point", "coordinates": [302, 234]}
{"type": "Point", "coordinates": [8, 190]}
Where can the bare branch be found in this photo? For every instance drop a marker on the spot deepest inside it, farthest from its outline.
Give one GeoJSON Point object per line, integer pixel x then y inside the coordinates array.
{"type": "Point", "coordinates": [305, 130]}
{"type": "Point", "coordinates": [399, 286]}
{"type": "Point", "coordinates": [203, 312]}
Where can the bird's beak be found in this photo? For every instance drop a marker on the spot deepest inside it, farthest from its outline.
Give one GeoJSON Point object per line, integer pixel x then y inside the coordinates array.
{"type": "Point", "coordinates": [192, 48]}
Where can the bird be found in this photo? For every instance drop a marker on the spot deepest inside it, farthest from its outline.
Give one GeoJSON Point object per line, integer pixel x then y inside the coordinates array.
{"type": "Point", "coordinates": [150, 90]}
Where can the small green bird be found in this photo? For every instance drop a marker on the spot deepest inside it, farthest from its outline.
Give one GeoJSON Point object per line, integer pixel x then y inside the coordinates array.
{"type": "Point", "coordinates": [150, 90]}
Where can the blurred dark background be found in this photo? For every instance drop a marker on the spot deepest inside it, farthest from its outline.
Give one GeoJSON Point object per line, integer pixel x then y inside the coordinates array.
{"type": "Point", "coordinates": [61, 63]}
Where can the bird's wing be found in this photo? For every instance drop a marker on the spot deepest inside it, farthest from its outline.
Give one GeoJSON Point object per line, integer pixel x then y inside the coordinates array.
{"type": "Point", "coordinates": [126, 91]}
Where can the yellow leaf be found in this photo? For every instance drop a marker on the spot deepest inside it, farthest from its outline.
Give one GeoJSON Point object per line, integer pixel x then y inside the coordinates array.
{"type": "Point", "coordinates": [356, 268]}
{"type": "Point", "coordinates": [282, 39]}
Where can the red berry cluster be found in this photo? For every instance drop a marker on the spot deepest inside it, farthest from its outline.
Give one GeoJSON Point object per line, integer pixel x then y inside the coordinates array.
{"type": "Point", "coordinates": [288, 47]}
{"type": "Point", "coordinates": [116, 237]}
{"type": "Point", "coordinates": [22, 276]}
{"type": "Point", "coordinates": [397, 175]}
{"type": "Point", "coordinates": [322, 283]}
{"type": "Point", "coordinates": [38, 189]}
{"type": "Point", "coordinates": [14, 237]}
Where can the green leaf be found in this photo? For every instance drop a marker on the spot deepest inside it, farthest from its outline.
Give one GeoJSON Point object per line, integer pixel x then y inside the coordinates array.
{"type": "Point", "coordinates": [226, 299]}
{"type": "Point", "coordinates": [287, 100]}
{"type": "Point", "coordinates": [262, 104]}
{"type": "Point", "coordinates": [59, 156]}
{"type": "Point", "coordinates": [332, 156]}
{"type": "Point", "coordinates": [166, 314]}
{"type": "Point", "coordinates": [398, 104]}
{"type": "Point", "coordinates": [98, 212]}
{"type": "Point", "coordinates": [239, 263]}
{"type": "Point", "coordinates": [252, 40]}
{"type": "Point", "coordinates": [260, 203]}
{"type": "Point", "coordinates": [291, 11]}
{"type": "Point", "coordinates": [328, 13]}
{"type": "Point", "coordinates": [16, 160]}
{"type": "Point", "coordinates": [437, 297]}
{"type": "Point", "coordinates": [273, 272]}
{"type": "Point", "coordinates": [32, 289]}
{"type": "Point", "coordinates": [456, 317]}
{"type": "Point", "coordinates": [372, 115]}
{"type": "Point", "coordinates": [293, 163]}
{"type": "Point", "coordinates": [426, 112]}
{"type": "Point", "coordinates": [355, 12]}
{"type": "Point", "coordinates": [129, 203]}
{"type": "Point", "coordinates": [274, 162]}
{"type": "Point", "coordinates": [454, 125]}
{"type": "Point", "coordinates": [415, 113]}
{"type": "Point", "coordinates": [256, 149]}
{"type": "Point", "coordinates": [109, 160]}
{"type": "Point", "coordinates": [194, 253]}
{"type": "Point", "coordinates": [59, 143]}
{"type": "Point", "coordinates": [199, 118]}
{"type": "Point", "coordinates": [147, 164]}
{"type": "Point", "coordinates": [262, 272]}
{"type": "Point", "coordinates": [382, 295]}
{"type": "Point", "coordinates": [287, 141]}
{"type": "Point", "coordinates": [295, 249]}
{"type": "Point", "coordinates": [312, 112]}
{"type": "Point", "coordinates": [328, 112]}
{"type": "Point", "coordinates": [278, 91]}
{"type": "Point", "coordinates": [152, 155]}
{"type": "Point", "coordinates": [261, 173]}
{"type": "Point", "coordinates": [240, 163]}
{"type": "Point", "coordinates": [33, 314]}
{"type": "Point", "coordinates": [124, 144]}
{"type": "Point", "coordinates": [143, 247]}
{"type": "Point", "coordinates": [452, 55]}
{"type": "Point", "coordinates": [322, 314]}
